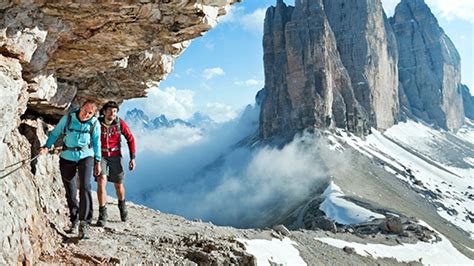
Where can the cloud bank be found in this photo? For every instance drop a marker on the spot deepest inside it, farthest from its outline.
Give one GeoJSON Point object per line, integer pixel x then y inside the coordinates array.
{"type": "Point", "coordinates": [215, 179]}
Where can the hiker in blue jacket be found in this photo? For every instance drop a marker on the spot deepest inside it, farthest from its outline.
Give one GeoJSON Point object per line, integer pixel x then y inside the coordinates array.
{"type": "Point", "coordinates": [80, 152]}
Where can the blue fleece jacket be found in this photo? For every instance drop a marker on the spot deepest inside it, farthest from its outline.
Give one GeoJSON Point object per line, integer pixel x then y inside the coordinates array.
{"type": "Point", "coordinates": [79, 136]}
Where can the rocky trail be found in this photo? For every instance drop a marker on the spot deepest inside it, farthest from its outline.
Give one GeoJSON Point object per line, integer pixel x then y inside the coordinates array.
{"type": "Point", "coordinates": [150, 236]}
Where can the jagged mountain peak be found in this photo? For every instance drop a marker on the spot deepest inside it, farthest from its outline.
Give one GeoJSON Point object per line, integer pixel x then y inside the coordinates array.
{"type": "Point", "coordinates": [429, 66]}
{"type": "Point", "coordinates": [398, 67]}
{"type": "Point", "coordinates": [139, 119]}
{"type": "Point", "coordinates": [135, 112]}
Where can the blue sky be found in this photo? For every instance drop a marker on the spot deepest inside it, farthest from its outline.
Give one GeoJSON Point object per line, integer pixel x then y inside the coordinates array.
{"type": "Point", "coordinates": [220, 73]}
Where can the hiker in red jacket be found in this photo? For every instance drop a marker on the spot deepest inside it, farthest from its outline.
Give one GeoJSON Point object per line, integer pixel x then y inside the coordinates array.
{"type": "Point", "coordinates": [112, 127]}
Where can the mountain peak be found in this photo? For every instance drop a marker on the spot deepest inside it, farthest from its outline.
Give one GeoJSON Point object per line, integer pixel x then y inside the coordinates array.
{"type": "Point", "coordinates": [429, 66]}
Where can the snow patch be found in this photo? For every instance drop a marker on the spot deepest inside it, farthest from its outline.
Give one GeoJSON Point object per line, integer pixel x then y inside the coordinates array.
{"type": "Point", "coordinates": [434, 253]}
{"type": "Point", "coordinates": [343, 211]}
{"type": "Point", "coordinates": [282, 252]}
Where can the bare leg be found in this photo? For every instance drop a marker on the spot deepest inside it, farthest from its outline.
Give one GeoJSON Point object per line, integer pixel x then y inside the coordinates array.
{"type": "Point", "coordinates": [101, 193]}
{"type": "Point", "coordinates": [120, 190]}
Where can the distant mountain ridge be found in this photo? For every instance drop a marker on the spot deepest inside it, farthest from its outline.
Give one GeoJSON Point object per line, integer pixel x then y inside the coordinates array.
{"type": "Point", "coordinates": [138, 118]}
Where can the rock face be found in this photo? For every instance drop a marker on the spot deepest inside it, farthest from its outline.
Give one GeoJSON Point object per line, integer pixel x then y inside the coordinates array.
{"type": "Point", "coordinates": [329, 63]}
{"type": "Point", "coordinates": [52, 55]}
{"type": "Point", "coordinates": [381, 71]}
{"type": "Point", "coordinates": [306, 84]}
{"type": "Point", "coordinates": [70, 51]}
{"type": "Point", "coordinates": [429, 66]}
{"type": "Point", "coordinates": [367, 47]}
{"type": "Point", "coordinates": [468, 101]}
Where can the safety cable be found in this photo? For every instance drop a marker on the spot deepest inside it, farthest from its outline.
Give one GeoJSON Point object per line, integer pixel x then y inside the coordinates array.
{"type": "Point", "coordinates": [22, 162]}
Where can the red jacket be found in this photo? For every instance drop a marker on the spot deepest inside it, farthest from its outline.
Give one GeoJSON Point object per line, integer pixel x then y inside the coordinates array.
{"type": "Point", "coordinates": [110, 138]}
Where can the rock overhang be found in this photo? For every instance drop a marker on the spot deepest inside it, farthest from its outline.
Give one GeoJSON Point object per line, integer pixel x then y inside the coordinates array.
{"type": "Point", "coordinates": [102, 50]}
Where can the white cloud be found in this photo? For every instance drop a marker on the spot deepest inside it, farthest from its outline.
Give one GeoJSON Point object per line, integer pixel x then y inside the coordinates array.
{"type": "Point", "coordinates": [171, 102]}
{"type": "Point", "coordinates": [253, 22]}
{"type": "Point", "coordinates": [167, 140]}
{"type": "Point", "coordinates": [249, 83]}
{"type": "Point", "coordinates": [220, 112]}
{"type": "Point", "coordinates": [210, 73]}
{"type": "Point", "coordinates": [454, 9]}
{"type": "Point", "coordinates": [240, 188]}
{"type": "Point", "coordinates": [179, 103]}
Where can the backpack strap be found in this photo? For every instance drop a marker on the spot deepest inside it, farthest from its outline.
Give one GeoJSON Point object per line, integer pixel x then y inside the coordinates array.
{"type": "Point", "coordinates": [67, 128]}
{"type": "Point", "coordinates": [119, 128]}
{"type": "Point", "coordinates": [68, 122]}
{"type": "Point", "coordinates": [91, 132]}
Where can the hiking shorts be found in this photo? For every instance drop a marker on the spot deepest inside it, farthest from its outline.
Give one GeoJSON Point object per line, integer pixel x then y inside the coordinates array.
{"type": "Point", "coordinates": [112, 168]}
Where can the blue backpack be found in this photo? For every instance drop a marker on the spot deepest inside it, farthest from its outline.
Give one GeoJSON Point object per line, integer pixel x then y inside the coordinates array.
{"type": "Point", "coordinates": [67, 128]}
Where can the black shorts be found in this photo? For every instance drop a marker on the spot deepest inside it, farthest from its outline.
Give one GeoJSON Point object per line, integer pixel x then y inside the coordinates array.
{"type": "Point", "coordinates": [112, 168]}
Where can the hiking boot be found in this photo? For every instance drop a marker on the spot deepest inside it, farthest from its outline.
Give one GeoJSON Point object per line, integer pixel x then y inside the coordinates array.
{"type": "Point", "coordinates": [123, 210]}
{"type": "Point", "coordinates": [102, 216]}
{"type": "Point", "coordinates": [73, 228]}
{"type": "Point", "coordinates": [83, 230]}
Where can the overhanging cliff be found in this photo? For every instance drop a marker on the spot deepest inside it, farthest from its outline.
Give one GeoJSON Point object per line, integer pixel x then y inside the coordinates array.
{"type": "Point", "coordinates": [70, 50]}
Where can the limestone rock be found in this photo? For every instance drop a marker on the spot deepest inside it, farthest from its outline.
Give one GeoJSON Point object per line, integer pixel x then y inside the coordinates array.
{"type": "Point", "coordinates": [32, 206]}
{"type": "Point", "coordinates": [306, 84]}
{"type": "Point", "coordinates": [105, 51]}
{"type": "Point", "coordinates": [468, 102]}
{"type": "Point", "coordinates": [367, 47]}
{"type": "Point", "coordinates": [12, 87]}
{"type": "Point", "coordinates": [282, 230]}
{"type": "Point", "coordinates": [429, 66]}
{"type": "Point", "coordinates": [348, 250]}
{"type": "Point", "coordinates": [392, 224]}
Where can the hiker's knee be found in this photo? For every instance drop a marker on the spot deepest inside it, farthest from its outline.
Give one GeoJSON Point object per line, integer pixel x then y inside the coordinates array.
{"type": "Point", "coordinates": [118, 186]}
{"type": "Point", "coordinates": [101, 180]}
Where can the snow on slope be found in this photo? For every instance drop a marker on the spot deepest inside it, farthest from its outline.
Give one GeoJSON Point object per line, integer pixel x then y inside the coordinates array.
{"type": "Point", "coordinates": [466, 132]}
{"type": "Point", "coordinates": [455, 152]}
{"type": "Point", "coordinates": [275, 251]}
{"type": "Point", "coordinates": [343, 211]}
{"type": "Point", "coordinates": [434, 253]}
{"type": "Point", "coordinates": [411, 151]}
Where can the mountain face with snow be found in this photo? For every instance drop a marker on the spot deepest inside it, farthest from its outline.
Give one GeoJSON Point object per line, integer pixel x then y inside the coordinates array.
{"type": "Point", "coordinates": [336, 70]}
